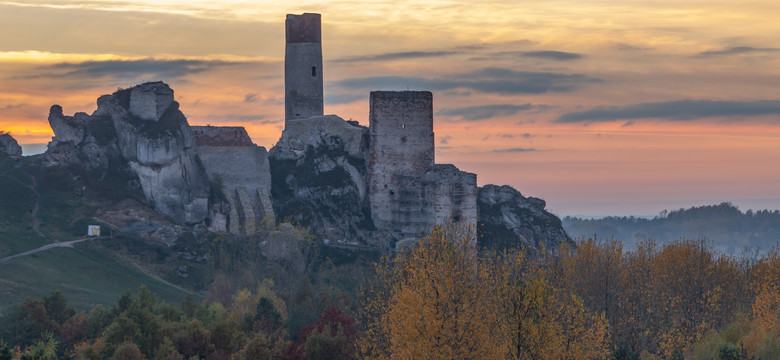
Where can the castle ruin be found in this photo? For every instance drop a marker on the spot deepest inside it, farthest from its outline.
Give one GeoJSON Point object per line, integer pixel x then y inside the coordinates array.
{"type": "Point", "coordinates": [407, 192]}
{"type": "Point", "coordinates": [349, 184]}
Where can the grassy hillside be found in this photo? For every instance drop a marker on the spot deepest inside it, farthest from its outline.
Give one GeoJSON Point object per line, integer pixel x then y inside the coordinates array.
{"type": "Point", "coordinates": [40, 205]}
{"type": "Point", "coordinates": [86, 275]}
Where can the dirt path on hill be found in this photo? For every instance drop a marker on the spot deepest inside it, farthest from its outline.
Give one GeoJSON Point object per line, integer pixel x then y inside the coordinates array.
{"type": "Point", "coordinates": [70, 245]}
{"type": "Point", "coordinates": [44, 248]}
{"type": "Point", "coordinates": [153, 276]}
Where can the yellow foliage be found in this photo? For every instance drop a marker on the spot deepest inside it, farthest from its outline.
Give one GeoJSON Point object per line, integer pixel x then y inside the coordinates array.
{"type": "Point", "coordinates": [441, 300]}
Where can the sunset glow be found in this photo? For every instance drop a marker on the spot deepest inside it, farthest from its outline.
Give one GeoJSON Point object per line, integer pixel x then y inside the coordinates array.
{"type": "Point", "coordinates": [600, 108]}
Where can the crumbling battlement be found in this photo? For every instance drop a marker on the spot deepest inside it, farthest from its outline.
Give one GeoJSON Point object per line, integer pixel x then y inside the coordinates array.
{"type": "Point", "coordinates": [221, 136]}
{"type": "Point", "coordinates": [304, 28]}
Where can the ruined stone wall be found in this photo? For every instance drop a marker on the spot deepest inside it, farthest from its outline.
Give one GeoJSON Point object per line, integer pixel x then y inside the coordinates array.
{"type": "Point", "coordinates": [303, 67]}
{"type": "Point", "coordinates": [401, 149]}
{"type": "Point", "coordinates": [454, 195]}
{"type": "Point", "coordinates": [242, 168]}
{"type": "Point", "coordinates": [221, 136]}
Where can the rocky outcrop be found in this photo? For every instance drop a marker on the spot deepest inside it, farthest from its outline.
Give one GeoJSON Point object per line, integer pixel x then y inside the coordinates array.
{"type": "Point", "coordinates": [507, 219]}
{"type": "Point", "coordinates": [81, 139]}
{"type": "Point", "coordinates": [318, 169]}
{"type": "Point", "coordinates": [9, 146]}
{"type": "Point", "coordinates": [141, 128]}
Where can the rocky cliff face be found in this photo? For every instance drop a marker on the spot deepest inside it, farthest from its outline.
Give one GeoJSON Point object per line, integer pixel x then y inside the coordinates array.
{"type": "Point", "coordinates": [508, 219]}
{"type": "Point", "coordinates": [142, 128]}
{"type": "Point", "coordinates": [318, 171]}
{"type": "Point", "coordinates": [9, 146]}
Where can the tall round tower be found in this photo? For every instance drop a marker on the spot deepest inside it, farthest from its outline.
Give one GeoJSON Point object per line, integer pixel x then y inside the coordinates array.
{"type": "Point", "coordinates": [303, 67]}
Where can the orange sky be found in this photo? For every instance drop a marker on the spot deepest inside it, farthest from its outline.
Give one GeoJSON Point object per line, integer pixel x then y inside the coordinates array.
{"type": "Point", "coordinates": [604, 108]}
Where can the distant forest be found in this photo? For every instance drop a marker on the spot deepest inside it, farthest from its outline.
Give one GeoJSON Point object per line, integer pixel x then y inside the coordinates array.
{"type": "Point", "coordinates": [723, 226]}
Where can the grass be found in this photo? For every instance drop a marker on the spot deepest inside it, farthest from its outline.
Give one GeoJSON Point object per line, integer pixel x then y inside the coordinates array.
{"type": "Point", "coordinates": [14, 241]}
{"type": "Point", "coordinates": [87, 276]}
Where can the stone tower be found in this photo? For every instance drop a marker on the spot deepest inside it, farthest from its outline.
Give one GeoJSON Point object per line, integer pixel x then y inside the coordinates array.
{"type": "Point", "coordinates": [402, 152]}
{"type": "Point", "coordinates": [303, 67]}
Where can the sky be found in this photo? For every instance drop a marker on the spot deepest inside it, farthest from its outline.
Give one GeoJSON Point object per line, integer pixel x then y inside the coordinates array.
{"type": "Point", "coordinates": [600, 107]}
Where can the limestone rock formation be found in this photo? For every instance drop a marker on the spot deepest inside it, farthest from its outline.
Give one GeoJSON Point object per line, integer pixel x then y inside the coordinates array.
{"type": "Point", "coordinates": [81, 139]}
{"type": "Point", "coordinates": [142, 128]}
{"type": "Point", "coordinates": [9, 146]}
{"type": "Point", "coordinates": [508, 219]}
{"type": "Point", "coordinates": [318, 170]}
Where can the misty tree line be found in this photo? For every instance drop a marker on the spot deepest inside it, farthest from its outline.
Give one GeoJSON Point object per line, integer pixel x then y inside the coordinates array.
{"type": "Point", "coordinates": [724, 225]}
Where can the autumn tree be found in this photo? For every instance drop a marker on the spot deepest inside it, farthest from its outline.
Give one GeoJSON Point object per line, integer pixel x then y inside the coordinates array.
{"type": "Point", "coordinates": [439, 303]}
{"type": "Point", "coordinates": [442, 299]}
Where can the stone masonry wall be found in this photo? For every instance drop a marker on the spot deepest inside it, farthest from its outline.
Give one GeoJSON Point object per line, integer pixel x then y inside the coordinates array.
{"type": "Point", "coordinates": [221, 136]}
{"type": "Point", "coordinates": [402, 149]}
{"type": "Point", "coordinates": [242, 168]}
{"type": "Point", "coordinates": [455, 195]}
{"type": "Point", "coordinates": [303, 67]}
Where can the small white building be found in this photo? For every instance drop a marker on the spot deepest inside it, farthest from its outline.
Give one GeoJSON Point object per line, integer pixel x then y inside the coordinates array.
{"type": "Point", "coordinates": [93, 230]}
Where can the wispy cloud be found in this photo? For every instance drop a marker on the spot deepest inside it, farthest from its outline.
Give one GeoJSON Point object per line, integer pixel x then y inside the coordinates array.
{"type": "Point", "coordinates": [239, 118]}
{"type": "Point", "coordinates": [398, 56]}
{"type": "Point", "coordinates": [514, 150]}
{"type": "Point", "coordinates": [482, 112]}
{"type": "Point", "coordinates": [250, 98]}
{"type": "Point", "coordinates": [553, 55]}
{"type": "Point", "coordinates": [682, 110]}
{"type": "Point", "coordinates": [736, 50]}
{"type": "Point", "coordinates": [338, 98]}
{"type": "Point", "coordinates": [128, 69]}
{"type": "Point", "coordinates": [488, 80]}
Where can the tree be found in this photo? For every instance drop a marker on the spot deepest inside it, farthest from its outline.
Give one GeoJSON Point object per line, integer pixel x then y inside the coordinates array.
{"type": "Point", "coordinates": [43, 349]}
{"type": "Point", "coordinates": [439, 305]}
{"type": "Point", "coordinates": [127, 351]}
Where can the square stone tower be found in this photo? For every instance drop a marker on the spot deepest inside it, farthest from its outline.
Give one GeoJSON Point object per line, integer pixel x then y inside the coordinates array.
{"type": "Point", "coordinates": [402, 151]}
{"type": "Point", "coordinates": [408, 192]}
{"type": "Point", "coordinates": [303, 67]}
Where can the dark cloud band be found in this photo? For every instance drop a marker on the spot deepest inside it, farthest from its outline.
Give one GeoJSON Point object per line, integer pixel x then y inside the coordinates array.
{"type": "Point", "coordinates": [515, 150]}
{"type": "Point", "coordinates": [683, 110]}
{"type": "Point", "coordinates": [488, 80]}
{"type": "Point", "coordinates": [476, 113]}
{"type": "Point", "coordinates": [398, 56]}
{"type": "Point", "coordinates": [736, 50]}
{"type": "Point", "coordinates": [128, 69]}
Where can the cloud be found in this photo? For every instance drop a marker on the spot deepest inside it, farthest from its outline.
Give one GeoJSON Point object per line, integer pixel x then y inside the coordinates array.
{"type": "Point", "coordinates": [239, 118]}
{"type": "Point", "coordinates": [130, 69]}
{"type": "Point", "coordinates": [735, 50]}
{"type": "Point", "coordinates": [682, 110]}
{"type": "Point", "coordinates": [398, 56]}
{"type": "Point", "coordinates": [542, 54]}
{"type": "Point", "coordinates": [629, 47]}
{"type": "Point", "coordinates": [336, 98]}
{"type": "Point", "coordinates": [482, 112]}
{"type": "Point", "coordinates": [250, 98]}
{"type": "Point", "coordinates": [514, 150]}
{"type": "Point", "coordinates": [553, 55]}
{"type": "Point", "coordinates": [488, 80]}
{"type": "Point", "coordinates": [445, 139]}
